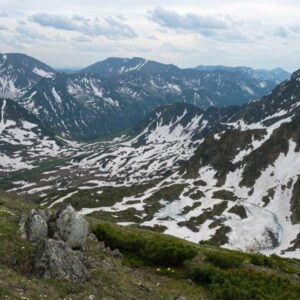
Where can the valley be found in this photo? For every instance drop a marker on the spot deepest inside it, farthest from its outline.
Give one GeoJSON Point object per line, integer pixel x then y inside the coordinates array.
{"type": "Point", "coordinates": [224, 175]}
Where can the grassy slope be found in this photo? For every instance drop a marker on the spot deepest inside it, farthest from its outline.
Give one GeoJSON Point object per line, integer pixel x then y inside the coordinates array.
{"type": "Point", "coordinates": [136, 277]}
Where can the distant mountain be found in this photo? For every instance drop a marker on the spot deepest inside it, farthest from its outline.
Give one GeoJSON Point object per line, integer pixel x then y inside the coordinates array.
{"type": "Point", "coordinates": [86, 106]}
{"type": "Point", "coordinates": [19, 73]}
{"type": "Point", "coordinates": [67, 70]}
{"type": "Point", "coordinates": [110, 96]}
{"type": "Point", "coordinates": [277, 75]}
{"type": "Point", "coordinates": [116, 66]}
{"type": "Point", "coordinates": [211, 86]}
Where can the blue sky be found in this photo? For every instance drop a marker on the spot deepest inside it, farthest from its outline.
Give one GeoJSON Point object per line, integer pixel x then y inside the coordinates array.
{"type": "Point", "coordinates": [261, 34]}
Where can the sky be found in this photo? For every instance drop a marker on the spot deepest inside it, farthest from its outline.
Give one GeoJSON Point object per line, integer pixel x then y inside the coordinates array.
{"type": "Point", "coordinates": [187, 33]}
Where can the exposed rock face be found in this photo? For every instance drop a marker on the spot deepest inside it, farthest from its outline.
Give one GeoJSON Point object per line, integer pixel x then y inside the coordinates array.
{"type": "Point", "coordinates": [54, 259]}
{"type": "Point", "coordinates": [36, 226]}
{"type": "Point", "coordinates": [56, 237]}
{"type": "Point", "coordinates": [71, 227]}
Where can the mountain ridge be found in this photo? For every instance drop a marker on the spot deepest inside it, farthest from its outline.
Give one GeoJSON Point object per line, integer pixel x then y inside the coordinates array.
{"type": "Point", "coordinates": [106, 100]}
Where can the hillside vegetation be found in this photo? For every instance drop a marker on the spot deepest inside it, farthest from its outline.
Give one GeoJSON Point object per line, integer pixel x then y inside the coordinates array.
{"type": "Point", "coordinates": [152, 266]}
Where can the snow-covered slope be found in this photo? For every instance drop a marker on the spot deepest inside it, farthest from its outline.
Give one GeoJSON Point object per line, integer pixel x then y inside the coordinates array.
{"type": "Point", "coordinates": [19, 73]}
{"type": "Point", "coordinates": [24, 142]}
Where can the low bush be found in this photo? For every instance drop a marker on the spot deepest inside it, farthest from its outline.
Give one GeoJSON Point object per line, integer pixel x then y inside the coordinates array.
{"type": "Point", "coordinates": [152, 248]}
{"type": "Point", "coordinates": [224, 260]}
{"type": "Point", "coordinates": [205, 274]}
{"type": "Point", "coordinates": [260, 260]}
{"type": "Point", "coordinates": [241, 284]}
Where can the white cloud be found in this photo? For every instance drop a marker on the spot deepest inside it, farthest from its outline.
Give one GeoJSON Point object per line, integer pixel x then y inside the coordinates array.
{"type": "Point", "coordinates": [109, 27]}
{"type": "Point", "coordinates": [258, 33]}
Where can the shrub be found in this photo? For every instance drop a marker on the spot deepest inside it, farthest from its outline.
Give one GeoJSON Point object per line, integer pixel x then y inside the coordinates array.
{"type": "Point", "coordinates": [261, 260]}
{"type": "Point", "coordinates": [242, 284]}
{"type": "Point", "coordinates": [225, 260]}
{"type": "Point", "coordinates": [152, 248]}
{"type": "Point", "coordinates": [205, 274]}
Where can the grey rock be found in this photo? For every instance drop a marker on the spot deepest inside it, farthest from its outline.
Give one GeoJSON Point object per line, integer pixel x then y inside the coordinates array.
{"type": "Point", "coordinates": [92, 238]}
{"type": "Point", "coordinates": [22, 226]}
{"type": "Point", "coordinates": [116, 254]}
{"type": "Point", "coordinates": [46, 214]}
{"type": "Point", "coordinates": [55, 260]}
{"type": "Point", "coordinates": [71, 227]}
{"type": "Point", "coordinates": [36, 226]}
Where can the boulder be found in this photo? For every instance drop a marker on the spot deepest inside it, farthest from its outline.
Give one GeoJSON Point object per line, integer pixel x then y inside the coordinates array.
{"type": "Point", "coordinates": [71, 227]}
{"type": "Point", "coordinates": [55, 260]}
{"type": "Point", "coordinates": [36, 226]}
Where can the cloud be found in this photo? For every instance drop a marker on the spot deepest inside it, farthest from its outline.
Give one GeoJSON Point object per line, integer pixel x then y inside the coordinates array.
{"type": "Point", "coordinates": [229, 29]}
{"type": "Point", "coordinates": [81, 39]}
{"type": "Point", "coordinates": [2, 27]}
{"type": "Point", "coordinates": [204, 24]}
{"type": "Point", "coordinates": [110, 27]}
{"type": "Point", "coordinates": [29, 34]}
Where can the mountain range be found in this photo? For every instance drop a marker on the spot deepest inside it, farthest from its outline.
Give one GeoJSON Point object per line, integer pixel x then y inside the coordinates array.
{"type": "Point", "coordinates": [223, 175]}
{"type": "Point", "coordinates": [109, 96]}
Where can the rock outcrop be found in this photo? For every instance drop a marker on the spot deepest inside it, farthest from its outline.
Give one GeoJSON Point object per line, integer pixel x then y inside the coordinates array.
{"type": "Point", "coordinates": [70, 227]}
{"type": "Point", "coordinates": [54, 259]}
{"type": "Point", "coordinates": [56, 237]}
{"type": "Point", "coordinates": [36, 226]}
